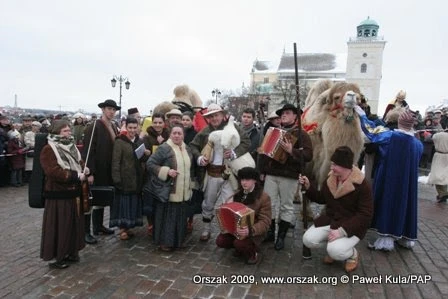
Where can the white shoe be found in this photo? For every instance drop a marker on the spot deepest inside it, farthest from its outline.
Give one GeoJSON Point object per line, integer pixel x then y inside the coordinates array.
{"type": "Point", "coordinates": [205, 236]}
{"type": "Point", "coordinates": [406, 243]}
{"type": "Point", "coordinates": [383, 243]}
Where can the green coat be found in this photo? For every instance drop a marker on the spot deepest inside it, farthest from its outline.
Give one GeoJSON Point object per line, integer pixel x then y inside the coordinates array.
{"type": "Point", "coordinates": [127, 172]}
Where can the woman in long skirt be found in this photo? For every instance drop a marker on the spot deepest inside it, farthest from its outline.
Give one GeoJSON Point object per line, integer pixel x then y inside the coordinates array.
{"type": "Point", "coordinates": [127, 175]}
{"type": "Point", "coordinates": [172, 163]}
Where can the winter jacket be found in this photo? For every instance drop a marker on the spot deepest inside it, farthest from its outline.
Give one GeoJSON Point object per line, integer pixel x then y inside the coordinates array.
{"type": "Point", "coordinates": [349, 205]}
{"type": "Point", "coordinates": [100, 156]}
{"type": "Point", "coordinates": [127, 172]}
{"type": "Point", "coordinates": [170, 156]}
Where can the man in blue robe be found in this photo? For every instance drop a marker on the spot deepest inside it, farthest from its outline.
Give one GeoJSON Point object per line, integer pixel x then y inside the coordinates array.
{"type": "Point", "coordinates": [395, 182]}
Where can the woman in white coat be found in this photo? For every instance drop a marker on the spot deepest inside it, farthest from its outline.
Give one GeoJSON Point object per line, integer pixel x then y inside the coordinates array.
{"type": "Point", "coordinates": [439, 166]}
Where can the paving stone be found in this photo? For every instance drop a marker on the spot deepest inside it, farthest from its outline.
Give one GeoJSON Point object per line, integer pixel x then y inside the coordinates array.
{"type": "Point", "coordinates": [137, 269]}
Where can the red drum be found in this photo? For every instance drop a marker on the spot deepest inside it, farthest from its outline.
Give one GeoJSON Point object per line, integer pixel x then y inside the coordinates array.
{"type": "Point", "coordinates": [271, 144]}
{"type": "Point", "coordinates": [234, 215]}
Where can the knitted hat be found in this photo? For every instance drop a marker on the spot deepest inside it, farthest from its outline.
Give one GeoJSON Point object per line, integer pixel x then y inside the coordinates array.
{"type": "Point", "coordinates": [36, 124]}
{"type": "Point", "coordinates": [406, 120]}
{"type": "Point", "coordinates": [248, 173]}
{"type": "Point", "coordinates": [343, 156]}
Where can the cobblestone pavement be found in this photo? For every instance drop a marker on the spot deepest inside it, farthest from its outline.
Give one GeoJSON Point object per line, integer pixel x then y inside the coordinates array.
{"type": "Point", "coordinates": [137, 269]}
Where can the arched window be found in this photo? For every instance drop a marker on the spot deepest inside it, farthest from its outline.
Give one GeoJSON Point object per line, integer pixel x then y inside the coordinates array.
{"type": "Point", "coordinates": [359, 33]}
{"type": "Point", "coordinates": [373, 32]}
{"type": "Point", "coordinates": [363, 68]}
{"type": "Point", "coordinates": [366, 33]}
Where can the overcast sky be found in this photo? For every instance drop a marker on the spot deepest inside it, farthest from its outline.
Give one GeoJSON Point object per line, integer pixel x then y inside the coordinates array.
{"type": "Point", "coordinates": [64, 53]}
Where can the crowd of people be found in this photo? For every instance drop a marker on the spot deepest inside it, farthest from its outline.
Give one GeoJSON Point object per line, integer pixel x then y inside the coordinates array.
{"type": "Point", "coordinates": [163, 172]}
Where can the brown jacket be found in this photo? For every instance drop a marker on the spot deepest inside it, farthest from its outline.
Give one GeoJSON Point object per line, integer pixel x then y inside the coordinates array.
{"type": "Point", "coordinates": [350, 206]}
{"type": "Point", "coordinates": [59, 183]}
{"type": "Point", "coordinates": [261, 204]}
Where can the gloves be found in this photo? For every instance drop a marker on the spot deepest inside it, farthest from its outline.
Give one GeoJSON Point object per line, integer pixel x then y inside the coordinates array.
{"type": "Point", "coordinates": [359, 111]}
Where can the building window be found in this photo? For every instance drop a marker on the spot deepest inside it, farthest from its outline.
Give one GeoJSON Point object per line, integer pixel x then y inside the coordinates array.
{"type": "Point", "coordinates": [366, 33]}
{"type": "Point", "coordinates": [363, 68]}
{"type": "Point", "coordinates": [373, 32]}
{"type": "Point", "coordinates": [359, 33]}
{"type": "Point", "coordinates": [266, 80]}
{"type": "Point", "coordinates": [364, 55]}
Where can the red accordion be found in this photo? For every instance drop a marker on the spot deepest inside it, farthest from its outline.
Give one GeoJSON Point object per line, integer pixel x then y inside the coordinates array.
{"type": "Point", "coordinates": [271, 144]}
{"type": "Point", "coordinates": [234, 215]}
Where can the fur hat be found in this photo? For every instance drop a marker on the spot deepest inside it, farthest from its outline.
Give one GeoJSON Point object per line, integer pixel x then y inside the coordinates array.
{"type": "Point", "coordinates": [401, 95]}
{"type": "Point", "coordinates": [343, 156]}
{"type": "Point", "coordinates": [212, 109]}
{"type": "Point", "coordinates": [248, 173]}
{"type": "Point", "coordinates": [13, 134]}
{"type": "Point", "coordinates": [406, 120]}
{"type": "Point", "coordinates": [132, 111]}
{"type": "Point", "coordinates": [182, 94]}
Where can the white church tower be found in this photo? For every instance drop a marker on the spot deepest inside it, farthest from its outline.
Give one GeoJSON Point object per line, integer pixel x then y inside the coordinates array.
{"type": "Point", "coordinates": [365, 61]}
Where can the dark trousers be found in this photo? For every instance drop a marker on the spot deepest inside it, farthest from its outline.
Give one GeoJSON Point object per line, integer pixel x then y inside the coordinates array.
{"type": "Point", "coordinates": [246, 247]}
{"type": "Point", "coordinates": [16, 177]}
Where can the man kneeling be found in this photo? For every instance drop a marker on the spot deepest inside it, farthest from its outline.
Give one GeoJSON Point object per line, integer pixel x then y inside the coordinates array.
{"type": "Point", "coordinates": [348, 211]}
{"type": "Point", "coordinates": [252, 195]}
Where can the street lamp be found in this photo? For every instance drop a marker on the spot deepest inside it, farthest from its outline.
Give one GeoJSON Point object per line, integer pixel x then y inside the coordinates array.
{"type": "Point", "coordinates": [121, 80]}
{"type": "Point", "coordinates": [215, 93]}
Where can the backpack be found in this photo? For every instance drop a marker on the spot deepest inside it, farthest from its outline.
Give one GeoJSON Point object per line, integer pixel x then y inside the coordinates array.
{"type": "Point", "coordinates": [37, 180]}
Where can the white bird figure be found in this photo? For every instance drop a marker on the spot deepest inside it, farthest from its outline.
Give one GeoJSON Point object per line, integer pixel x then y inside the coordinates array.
{"type": "Point", "coordinates": [230, 138]}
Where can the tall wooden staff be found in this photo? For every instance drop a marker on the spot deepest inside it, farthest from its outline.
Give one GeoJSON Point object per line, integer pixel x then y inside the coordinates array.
{"type": "Point", "coordinates": [306, 252]}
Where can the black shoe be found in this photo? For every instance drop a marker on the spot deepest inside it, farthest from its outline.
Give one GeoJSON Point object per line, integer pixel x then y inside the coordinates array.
{"type": "Point", "coordinates": [280, 243]}
{"type": "Point", "coordinates": [89, 239]}
{"type": "Point", "coordinates": [270, 236]}
{"type": "Point", "coordinates": [255, 259]}
{"type": "Point", "coordinates": [283, 227]}
{"type": "Point", "coordinates": [103, 231]}
{"type": "Point", "coordinates": [58, 265]}
{"type": "Point", "coordinates": [71, 259]}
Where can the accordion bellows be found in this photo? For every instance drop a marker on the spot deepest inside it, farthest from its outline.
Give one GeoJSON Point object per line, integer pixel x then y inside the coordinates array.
{"type": "Point", "coordinates": [271, 144]}
{"type": "Point", "coordinates": [234, 215]}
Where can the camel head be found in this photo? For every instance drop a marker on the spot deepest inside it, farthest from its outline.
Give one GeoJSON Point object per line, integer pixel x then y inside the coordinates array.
{"type": "Point", "coordinates": [341, 100]}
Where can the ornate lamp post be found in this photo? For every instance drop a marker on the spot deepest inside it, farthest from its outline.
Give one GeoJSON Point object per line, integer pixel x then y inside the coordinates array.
{"type": "Point", "coordinates": [215, 93]}
{"type": "Point", "coordinates": [121, 80]}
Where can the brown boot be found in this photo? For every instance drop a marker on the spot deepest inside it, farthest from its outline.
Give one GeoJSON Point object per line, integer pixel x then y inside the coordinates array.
{"type": "Point", "coordinates": [328, 260]}
{"type": "Point", "coordinates": [352, 263]}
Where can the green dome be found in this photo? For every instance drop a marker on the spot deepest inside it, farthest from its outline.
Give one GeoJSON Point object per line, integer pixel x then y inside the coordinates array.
{"type": "Point", "coordinates": [368, 22]}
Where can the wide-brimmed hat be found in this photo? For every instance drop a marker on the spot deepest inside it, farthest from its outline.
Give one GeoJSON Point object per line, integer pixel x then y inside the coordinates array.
{"type": "Point", "coordinates": [286, 107]}
{"type": "Point", "coordinates": [173, 112]}
{"type": "Point", "coordinates": [273, 115]}
{"type": "Point", "coordinates": [212, 109]}
{"type": "Point", "coordinates": [109, 103]}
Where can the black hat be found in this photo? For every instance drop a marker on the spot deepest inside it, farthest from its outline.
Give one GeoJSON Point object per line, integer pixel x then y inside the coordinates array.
{"type": "Point", "coordinates": [109, 103]}
{"type": "Point", "coordinates": [343, 156]}
{"type": "Point", "coordinates": [287, 107]}
{"type": "Point", "coordinates": [248, 173]}
{"type": "Point", "coordinates": [132, 111]}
